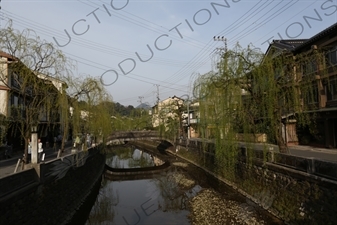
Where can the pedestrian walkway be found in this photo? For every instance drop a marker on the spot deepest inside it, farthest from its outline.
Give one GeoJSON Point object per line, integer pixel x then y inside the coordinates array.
{"type": "Point", "coordinates": [7, 167]}
{"type": "Point", "coordinates": [312, 148]}
{"type": "Point", "coordinates": [314, 152]}
{"type": "Point", "coordinates": [298, 150]}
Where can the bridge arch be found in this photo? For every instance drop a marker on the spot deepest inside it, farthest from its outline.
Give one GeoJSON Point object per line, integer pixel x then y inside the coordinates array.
{"type": "Point", "coordinates": [125, 136]}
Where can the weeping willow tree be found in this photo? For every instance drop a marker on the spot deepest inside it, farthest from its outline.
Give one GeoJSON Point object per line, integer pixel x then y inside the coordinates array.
{"type": "Point", "coordinates": [91, 108]}
{"type": "Point", "coordinates": [252, 96]}
{"type": "Point", "coordinates": [38, 79]}
{"type": "Point", "coordinates": [30, 74]}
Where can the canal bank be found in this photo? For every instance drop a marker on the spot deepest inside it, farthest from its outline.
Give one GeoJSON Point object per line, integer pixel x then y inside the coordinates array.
{"type": "Point", "coordinates": [291, 195]}
{"type": "Point", "coordinates": [217, 202]}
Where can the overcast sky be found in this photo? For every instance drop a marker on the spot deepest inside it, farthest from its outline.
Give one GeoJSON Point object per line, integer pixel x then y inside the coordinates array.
{"type": "Point", "coordinates": [138, 47]}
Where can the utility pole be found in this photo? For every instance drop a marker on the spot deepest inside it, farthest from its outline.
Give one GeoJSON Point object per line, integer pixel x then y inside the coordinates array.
{"type": "Point", "coordinates": [141, 102]}
{"type": "Point", "coordinates": [188, 120]}
{"type": "Point", "coordinates": [156, 112]}
{"type": "Point", "coordinates": [223, 50]}
{"type": "Point", "coordinates": [140, 99]}
{"type": "Point", "coordinates": [157, 85]}
{"type": "Point", "coordinates": [223, 39]}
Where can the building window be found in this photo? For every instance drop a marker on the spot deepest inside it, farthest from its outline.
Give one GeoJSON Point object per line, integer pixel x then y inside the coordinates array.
{"type": "Point", "coordinates": [332, 57]}
{"type": "Point", "coordinates": [15, 80]}
{"type": "Point", "coordinates": [309, 67]}
{"type": "Point", "coordinates": [331, 90]}
{"type": "Point", "coordinates": [14, 100]}
{"type": "Point", "coordinates": [311, 95]}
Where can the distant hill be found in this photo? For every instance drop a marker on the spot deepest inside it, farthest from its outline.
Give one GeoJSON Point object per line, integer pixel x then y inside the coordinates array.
{"type": "Point", "coordinates": [127, 110]}
{"type": "Point", "coordinates": [122, 110]}
{"type": "Point", "coordinates": [144, 106]}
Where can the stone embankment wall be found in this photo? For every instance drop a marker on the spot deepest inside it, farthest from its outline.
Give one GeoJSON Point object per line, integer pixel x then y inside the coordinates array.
{"type": "Point", "coordinates": [54, 197]}
{"type": "Point", "coordinates": [281, 185]}
{"type": "Point", "coordinates": [286, 186]}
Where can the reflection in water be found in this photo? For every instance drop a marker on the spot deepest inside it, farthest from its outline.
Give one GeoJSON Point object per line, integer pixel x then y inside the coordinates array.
{"type": "Point", "coordinates": [175, 191]}
{"type": "Point", "coordinates": [160, 200]}
{"type": "Point", "coordinates": [81, 215]}
{"type": "Point", "coordinates": [170, 197]}
{"type": "Point", "coordinates": [129, 157]}
{"type": "Point", "coordinates": [103, 211]}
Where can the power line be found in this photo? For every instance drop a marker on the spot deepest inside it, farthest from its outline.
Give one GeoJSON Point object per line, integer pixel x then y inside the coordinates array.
{"type": "Point", "coordinates": [233, 27]}
{"type": "Point", "coordinates": [146, 26]}
{"type": "Point", "coordinates": [269, 18]}
{"type": "Point", "coordinates": [192, 65]}
{"type": "Point", "coordinates": [209, 45]}
{"type": "Point", "coordinates": [88, 43]}
{"type": "Point", "coordinates": [287, 20]}
{"type": "Point", "coordinates": [131, 74]}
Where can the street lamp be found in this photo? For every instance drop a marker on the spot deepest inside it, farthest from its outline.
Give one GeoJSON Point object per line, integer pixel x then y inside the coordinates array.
{"type": "Point", "coordinates": [34, 129]}
{"type": "Point", "coordinates": [34, 153]}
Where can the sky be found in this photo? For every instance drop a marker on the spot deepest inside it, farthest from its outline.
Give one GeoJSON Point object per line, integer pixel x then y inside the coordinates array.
{"type": "Point", "coordinates": [142, 50]}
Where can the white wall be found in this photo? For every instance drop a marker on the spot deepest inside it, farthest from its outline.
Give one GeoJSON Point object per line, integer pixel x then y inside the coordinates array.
{"type": "Point", "coordinates": [3, 86]}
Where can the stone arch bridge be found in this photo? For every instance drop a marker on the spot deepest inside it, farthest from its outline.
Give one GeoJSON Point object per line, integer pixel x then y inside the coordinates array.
{"type": "Point", "coordinates": [125, 136]}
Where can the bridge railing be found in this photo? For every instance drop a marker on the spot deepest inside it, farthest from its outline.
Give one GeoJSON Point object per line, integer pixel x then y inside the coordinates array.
{"type": "Point", "coordinates": [137, 135]}
{"type": "Point", "coordinates": [130, 134]}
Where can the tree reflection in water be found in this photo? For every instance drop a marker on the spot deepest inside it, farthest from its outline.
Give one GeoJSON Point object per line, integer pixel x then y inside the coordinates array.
{"type": "Point", "coordinates": [141, 159]}
{"type": "Point", "coordinates": [129, 157]}
{"type": "Point", "coordinates": [157, 199]}
{"type": "Point", "coordinates": [175, 190]}
{"type": "Point", "coordinates": [103, 210]}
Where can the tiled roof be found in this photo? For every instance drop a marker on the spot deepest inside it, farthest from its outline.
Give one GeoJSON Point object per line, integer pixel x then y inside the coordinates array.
{"type": "Point", "coordinates": [289, 44]}
{"type": "Point", "coordinates": [6, 55]}
{"type": "Point", "coordinates": [295, 45]}
{"type": "Point", "coordinates": [277, 46]}
{"type": "Point", "coordinates": [328, 31]}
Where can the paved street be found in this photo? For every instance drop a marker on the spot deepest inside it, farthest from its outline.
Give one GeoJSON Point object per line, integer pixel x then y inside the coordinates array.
{"type": "Point", "coordinates": [318, 153]}
{"type": "Point", "coordinates": [304, 151]}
